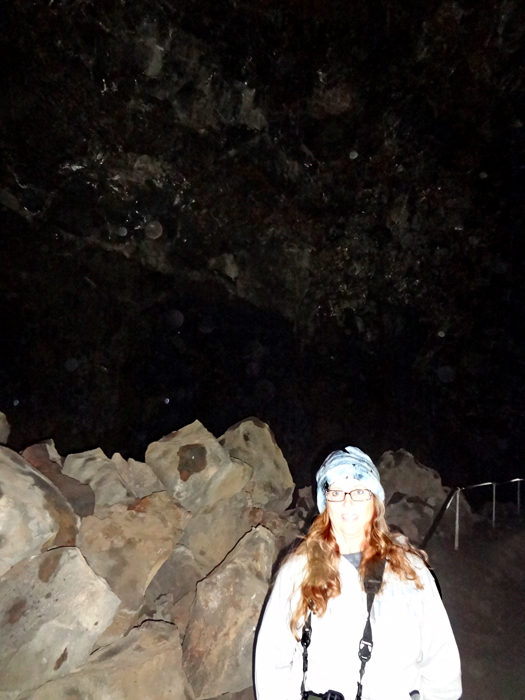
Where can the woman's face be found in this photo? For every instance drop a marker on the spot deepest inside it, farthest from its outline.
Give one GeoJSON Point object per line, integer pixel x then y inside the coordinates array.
{"type": "Point", "coordinates": [349, 518]}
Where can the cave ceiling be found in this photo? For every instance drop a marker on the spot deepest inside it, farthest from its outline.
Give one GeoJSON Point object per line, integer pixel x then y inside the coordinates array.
{"type": "Point", "coordinates": [352, 169]}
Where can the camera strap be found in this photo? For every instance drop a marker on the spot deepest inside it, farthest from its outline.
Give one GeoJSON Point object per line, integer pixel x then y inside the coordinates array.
{"type": "Point", "coordinates": [305, 642]}
{"type": "Point", "coordinates": [372, 583]}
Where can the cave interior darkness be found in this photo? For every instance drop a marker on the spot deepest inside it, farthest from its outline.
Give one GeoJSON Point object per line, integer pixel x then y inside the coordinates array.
{"type": "Point", "coordinates": [308, 212]}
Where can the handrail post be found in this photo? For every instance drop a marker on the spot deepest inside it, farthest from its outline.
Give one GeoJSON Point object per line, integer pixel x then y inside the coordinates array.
{"type": "Point", "coordinates": [519, 496]}
{"type": "Point", "coordinates": [493, 506]}
{"type": "Point", "coordinates": [456, 532]}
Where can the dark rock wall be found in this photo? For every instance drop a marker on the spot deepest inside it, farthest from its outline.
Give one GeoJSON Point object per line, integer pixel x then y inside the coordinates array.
{"type": "Point", "coordinates": [330, 193]}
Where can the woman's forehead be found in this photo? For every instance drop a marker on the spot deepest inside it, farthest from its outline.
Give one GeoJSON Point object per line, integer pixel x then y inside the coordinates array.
{"type": "Point", "coordinates": [346, 484]}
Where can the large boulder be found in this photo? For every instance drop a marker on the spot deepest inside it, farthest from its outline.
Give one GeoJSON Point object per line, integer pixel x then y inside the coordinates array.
{"type": "Point", "coordinates": [195, 469]}
{"type": "Point", "coordinates": [52, 610]}
{"type": "Point", "coordinates": [271, 485]}
{"type": "Point", "coordinates": [44, 457]}
{"type": "Point", "coordinates": [145, 664]}
{"type": "Point", "coordinates": [414, 494]}
{"type": "Point", "coordinates": [215, 530]}
{"type": "Point", "coordinates": [34, 515]}
{"type": "Point", "coordinates": [218, 644]}
{"type": "Point", "coordinates": [138, 477]}
{"type": "Point", "coordinates": [128, 547]}
{"type": "Point", "coordinates": [93, 467]}
{"type": "Point", "coordinates": [5, 429]}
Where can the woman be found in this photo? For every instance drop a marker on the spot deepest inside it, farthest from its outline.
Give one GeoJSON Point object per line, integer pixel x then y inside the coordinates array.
{"type": "Point", "coordinates": [414, 654]}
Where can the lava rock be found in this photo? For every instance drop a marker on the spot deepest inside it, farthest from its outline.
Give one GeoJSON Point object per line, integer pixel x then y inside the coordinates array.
{"type": "Point", "coordinates": [214, 531]}
{"type": "Point", "coordinates": [93, 467]}
{"type": "Point", "coordinates": [128, 547]}
{"type": "Point", "coordinates": [195, 469]}
{"type": "Point", "coordinates": [5, 429]}
{"type": "Point", "coordinates": [137, 476]}
{"type": "Point", "coordinates": [271, 486]}
{"type": "Point", "coordinates": [217, 647]}
{"type": "Point", "coordinates": [150, 657]}
{"type": "Point", "coordinates": [34, 515]}
{"type": "Point", "coordinates": [46, 459]}
{"type": "Point", "coordinates": [53, 608]}
{"type": "Point", "coordinates": [175, 579]}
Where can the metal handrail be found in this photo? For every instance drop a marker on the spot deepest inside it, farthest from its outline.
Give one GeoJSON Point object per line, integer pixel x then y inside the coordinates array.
{"type": "Point", "coordinates": [456, 491]}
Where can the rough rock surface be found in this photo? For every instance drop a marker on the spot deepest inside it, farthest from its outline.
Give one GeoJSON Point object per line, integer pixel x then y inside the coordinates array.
{"type": "Point", "coordinates": [196, 470]}
{"type": "Point", "coordinates": [93, 467]}
{"type": "Point", "coordinates": [146, 664]}
{"type": "Point", "coordinates": [52, 610]}
{"type": "Point", "coordinates": [46, 459]}
{"type": "Point", "coordinates": [5, 429]}
{"type": "Point", "coordinates": [34, 515]}
{"type": "Point", "coordinates": [176, 578]}
{"type": "Point", "coordinates": [271, 485]}
{"type": "Point", "coordinates": [217, 648]}
{"type": "Point", "coordinates": [414, 494]}
{"type": "Point", "coordinates": [138, 477]}
{"type": "Point", "coordinates": [214, 531]}
{"type": "Point", "coordinates": [128, 547]}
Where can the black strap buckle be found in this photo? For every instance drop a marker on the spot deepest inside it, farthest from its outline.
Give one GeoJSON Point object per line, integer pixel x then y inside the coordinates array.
{"type": "Point", "coordinates": [365, 650]}
{"type": "Point", "coordinates": [306, 637]}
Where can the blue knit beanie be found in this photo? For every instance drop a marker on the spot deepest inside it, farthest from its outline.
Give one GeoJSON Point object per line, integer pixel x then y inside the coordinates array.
{"type": "Point", "coordinates": [349, 463]}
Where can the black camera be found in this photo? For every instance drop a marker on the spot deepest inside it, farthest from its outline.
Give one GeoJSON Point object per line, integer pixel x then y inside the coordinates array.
{"type": "Point", "coordinates": [329, 695]}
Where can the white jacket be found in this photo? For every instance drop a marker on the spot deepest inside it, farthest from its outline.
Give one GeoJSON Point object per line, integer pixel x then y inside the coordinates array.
{"type": "Point", "coordinates": [414, 647]}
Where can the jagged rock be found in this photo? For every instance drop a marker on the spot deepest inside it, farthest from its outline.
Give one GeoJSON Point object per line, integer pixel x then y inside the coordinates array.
{"type": "Point", "coordinates": [176, 578]}
{"type": "Point", "coordinates": [52, 610]}
{"type": "Point", "coordinates": [5, 429]}
{"type": "Point", "coordinates": [195, 469]}
{"type": "Point", "coordinates": [182, 610]}
{"type": "Point", "coordinates": [94, 468]}
{"type": "Point", "coordinates": [284, 529]}
{"type": "Point", "coordinates": [217, 648]}
{"type": "Point", "coordinates": [414, 494]}
{"type": "Point", "coordinates": [271, 486]}
{"type": "Point", "coordinates": [34, 515]}
{"type": "Point", "coordinates": [138, 477]}
{"type": "Point", "coordinates": [128, 547]}
{"type": "Point", "coordinates": [411, 516]}
{"type": "Point", "coordinates": [304, 511]}
{"type": "Point", "coordinates": [145, 664]}
{"type": "Point", "coordinates": [46, 459]}
{"type": "Point", "coordinates": [214, 531]}
{"type": "Point", "coordinates": [246, 694]}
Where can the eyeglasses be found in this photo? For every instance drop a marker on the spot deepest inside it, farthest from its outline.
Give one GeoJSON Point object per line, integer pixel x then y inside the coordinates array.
{"type": "Point", "coordinates": [358, 495]}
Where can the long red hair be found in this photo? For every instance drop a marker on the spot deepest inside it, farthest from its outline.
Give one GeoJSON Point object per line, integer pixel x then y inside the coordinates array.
{"type": "Point", "coordinates": [321, 578]}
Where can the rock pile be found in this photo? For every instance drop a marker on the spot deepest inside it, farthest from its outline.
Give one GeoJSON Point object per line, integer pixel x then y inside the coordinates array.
{"type": "Point", "coordinates": [146, 579]}
{"type": "Point", "coordinates": [413, 496]}
{"type": "Point", "coordinates": [129, 579]}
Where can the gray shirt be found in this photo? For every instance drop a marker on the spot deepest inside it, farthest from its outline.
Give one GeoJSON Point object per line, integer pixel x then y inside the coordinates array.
{"type": "Point", "coordinates": [354, 558]}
